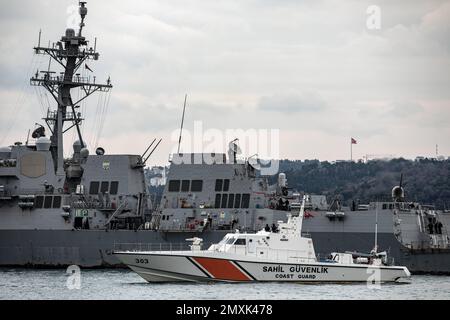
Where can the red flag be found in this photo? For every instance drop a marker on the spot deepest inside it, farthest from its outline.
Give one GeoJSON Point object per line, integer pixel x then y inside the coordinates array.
{"type": "Point", "coordinates": [353, 141]}
{"type": "Point", "coordinates": [87, 67]}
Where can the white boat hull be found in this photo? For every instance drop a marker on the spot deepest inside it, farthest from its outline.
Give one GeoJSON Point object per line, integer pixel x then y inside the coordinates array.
{"type": "Point", "coordinates": [193, 267]}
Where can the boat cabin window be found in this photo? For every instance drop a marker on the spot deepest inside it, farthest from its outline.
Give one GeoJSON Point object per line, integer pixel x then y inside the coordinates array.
{"type": "Point", "coordinates": [48, 202]}
{"type": "Point", "coordinates": [104, 186]}
{"type": "Point", "coordinates": [185, 184]}
{"type": "Point", "coordinates": [197, 185]}
{"type": "Point", "coordinates": [223, 241]}
{"type": "Point", "coordinates": [174, 185]}
{"type": "Point", "coordinates": [217, 202]}
{"type": "Point", "coordinates": [245, 200]}
{"type": "Point", "coordinates": [93, 187]}
{"type": "Point", "coordinates": [56, 201]}
{"type": "Point", "coordinates": [240, 241]}
{"type": "Point", "coordinates": [226, 184]}
{"type": "Point", "coordinates": [224, 200]}
{"type": "Point", "coordinates": [230, 200]}
{"type": "Point", "coordinates": [230, 240]}
{"type": "Point", "coordinates": [218, 184]}
{"type": "Point", "coordinates": [237, 201]}
{"type": "Point", "coordinates": [114, 187]}
{"type": "Point", "coordinates": [38, 202]}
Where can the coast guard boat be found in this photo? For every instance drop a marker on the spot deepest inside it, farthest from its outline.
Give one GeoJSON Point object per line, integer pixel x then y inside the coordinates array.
{"type": "Point", "coordinates": [278, 254]}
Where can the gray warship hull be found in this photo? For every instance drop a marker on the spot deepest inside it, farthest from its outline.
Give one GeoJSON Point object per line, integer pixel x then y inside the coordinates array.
{"type": "Point", "coordinates": [92, 248]}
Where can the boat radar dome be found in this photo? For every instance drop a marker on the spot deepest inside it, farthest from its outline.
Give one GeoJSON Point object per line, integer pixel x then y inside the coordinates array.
{"type": "Point", "coordinates": [43, 144]}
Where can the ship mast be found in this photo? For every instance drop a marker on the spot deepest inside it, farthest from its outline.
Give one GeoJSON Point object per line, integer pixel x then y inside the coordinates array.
{"type": "Point", "coordinates": [70, 53]}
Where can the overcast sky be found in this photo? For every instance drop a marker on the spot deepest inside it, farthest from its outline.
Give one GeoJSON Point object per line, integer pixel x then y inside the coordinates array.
{"type": "Point", "coordinates": [311, 69]}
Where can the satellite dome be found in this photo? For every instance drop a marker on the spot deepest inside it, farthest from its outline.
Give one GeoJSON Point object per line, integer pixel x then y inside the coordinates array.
{"type": "Point", "coordinates": [43, 144]}
{"type": "Point", "coordinates": [84, 152]}
{"type": "Point", "coordinates": [77, 146]}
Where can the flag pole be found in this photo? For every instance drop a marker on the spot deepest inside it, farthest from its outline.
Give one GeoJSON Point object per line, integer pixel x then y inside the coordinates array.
{"type": "Point", "coordinates": [351, 150]}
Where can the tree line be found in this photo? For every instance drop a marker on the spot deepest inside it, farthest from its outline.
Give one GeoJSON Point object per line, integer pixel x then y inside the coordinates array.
{"type": "Point", "coordinates": [426, 181]}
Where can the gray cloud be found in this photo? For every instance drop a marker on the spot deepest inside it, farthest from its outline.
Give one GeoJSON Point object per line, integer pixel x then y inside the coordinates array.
{"type": "Point", "coordinates": [292, 103]}
{"type": "Point", "coordinates": [241, 62]}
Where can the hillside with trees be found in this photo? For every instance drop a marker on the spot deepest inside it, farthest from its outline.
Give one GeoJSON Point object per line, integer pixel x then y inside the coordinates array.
{"type": "Point", "coordinates": [426, 181]}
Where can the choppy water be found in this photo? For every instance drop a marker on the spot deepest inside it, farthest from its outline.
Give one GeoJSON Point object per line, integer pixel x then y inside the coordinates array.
{"type": "Point", "coordinates": [124, 284]}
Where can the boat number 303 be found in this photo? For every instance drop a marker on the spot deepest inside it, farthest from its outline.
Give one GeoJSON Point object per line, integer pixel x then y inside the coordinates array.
{"type": "Point", "coordinates": [141, 260]}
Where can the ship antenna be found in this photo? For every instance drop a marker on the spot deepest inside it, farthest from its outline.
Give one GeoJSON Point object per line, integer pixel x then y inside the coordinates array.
{"type": "Point", "coordinates": [70, 53]}
{"type": "Point", "coordinates": [182, 122]}
{"type": "Point", "coordinates": [83, 11]}
{"type": "Point", "coordinates": [151, 152]}
{"type": "Point", "coordinates": [376, 228]}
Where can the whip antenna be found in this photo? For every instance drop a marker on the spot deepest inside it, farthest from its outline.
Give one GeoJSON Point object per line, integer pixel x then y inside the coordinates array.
{"type": "Point", "coordinates": [182, 121]}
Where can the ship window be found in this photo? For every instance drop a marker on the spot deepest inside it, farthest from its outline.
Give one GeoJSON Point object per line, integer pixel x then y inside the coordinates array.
{"type": "Point", "coordinates": [237, 201]}
{"type": "Point", "coordinates": [56, 201]}
{"type": "Point", "coordinates": [104, 186]}
{"type": "Point", "coordinates": [384, 206]}
{"type": "Point", "coordinates": [245, 200]}
{"type": "Point", "coordinates": [230, 241]}
{"type": "Point", "coordinates": [219, 184]}
{"type": "Point", "coordinates": [93, 188]}
{"type": "Point", "coordinates": [196, 185]}
{"type": "Point", "coordinates": [226, 184]}
{"type": "Point", "coordinates": [240, 242]}
{"type": "Point", "coordinates": [230, 200]}
{"type": "Point", "coordinates": [48, 202]}
{"type": "Point", "coordinates": [224, 201]}
{"type": "Point", "coordinates": [185, 185]}
{"type": "Point", "coordinates": [174, 185]}
{"type": "Point", "coordinates": [38, 202]}
{"type": "Point", "coordinates": [114, 187]}
{"type": "Point", "coordinates": [217, 202]}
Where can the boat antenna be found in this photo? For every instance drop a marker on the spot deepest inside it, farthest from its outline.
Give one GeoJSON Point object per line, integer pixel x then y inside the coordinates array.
{"type": "Point", "coordinates": [28, 137]}
{"type": "Point", "coordinates": [375, 248]}
{"type": "Point", "coordinates": [151, 152]}
{"type": "Point", "coordinates": [143, 155]}
{"type": "Point", "coordinates": [182, 122]}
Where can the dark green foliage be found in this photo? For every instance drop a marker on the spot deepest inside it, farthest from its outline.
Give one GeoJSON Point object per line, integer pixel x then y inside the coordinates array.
{"type": "Point", "coordinates": [426, 181]}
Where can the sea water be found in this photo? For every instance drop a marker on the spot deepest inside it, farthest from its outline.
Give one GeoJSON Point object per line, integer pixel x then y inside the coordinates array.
{"type": "Point", "coordinates": [125, 284]}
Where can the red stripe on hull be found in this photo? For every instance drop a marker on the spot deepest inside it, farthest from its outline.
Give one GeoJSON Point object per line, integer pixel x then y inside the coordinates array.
{"type": "Point", "coordinates": [222, 269]}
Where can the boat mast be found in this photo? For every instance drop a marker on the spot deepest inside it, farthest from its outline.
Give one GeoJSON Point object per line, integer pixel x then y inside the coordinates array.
{"type": "Point", "coordinates": [375, 248]}
{"type": "Point", "coordinates": [70, 53]}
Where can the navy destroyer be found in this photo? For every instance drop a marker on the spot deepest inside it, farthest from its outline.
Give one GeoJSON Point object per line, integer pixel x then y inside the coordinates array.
{"type": "Point", "coordinates": [59, 212]}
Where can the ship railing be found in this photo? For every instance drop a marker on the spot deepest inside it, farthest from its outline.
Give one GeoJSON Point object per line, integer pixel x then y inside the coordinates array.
{"type": "Point", "coordinates": [263, 253]}
{"type": "Point", "coordinates": [425, 245]}
{"type": "Point", "coordinates": [163, 246]}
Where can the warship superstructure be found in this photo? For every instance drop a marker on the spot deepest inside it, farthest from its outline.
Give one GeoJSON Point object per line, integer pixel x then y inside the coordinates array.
{"type": "Point", "coordinates": [59, 212]}
{"type": "Point", "coordinates": [48, 204]}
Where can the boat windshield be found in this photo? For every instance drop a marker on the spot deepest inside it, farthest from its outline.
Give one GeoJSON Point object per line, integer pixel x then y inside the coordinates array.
{"type": "Point", "coordinates": [230, 241]}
